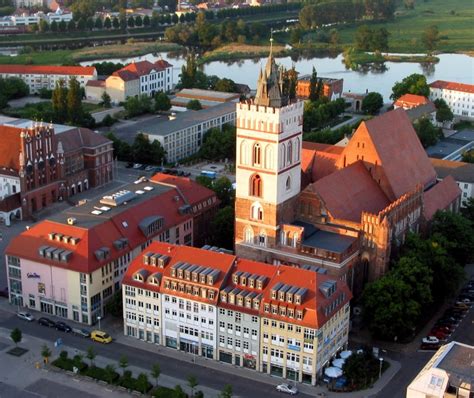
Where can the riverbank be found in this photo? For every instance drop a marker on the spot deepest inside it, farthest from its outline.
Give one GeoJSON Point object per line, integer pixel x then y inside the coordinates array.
{"type": "Point", "coordinates": [60, 57]}
{"type": "Point", "coordinates": [354, 59]}
{"type": "Point", "coordinates": [236, 51]}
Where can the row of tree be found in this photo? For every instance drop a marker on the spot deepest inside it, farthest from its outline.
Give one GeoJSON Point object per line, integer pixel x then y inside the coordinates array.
{"type": "Point", "coordinates": [321, 13]}
{"type": "Point", "coordinates": [368, 39]}
{"type": "Point", "coordinates": [141, 151]}
{"type": "Point", "coordinates": [428, 270]}
{"type": "Point", "coordinates": [318, 114]}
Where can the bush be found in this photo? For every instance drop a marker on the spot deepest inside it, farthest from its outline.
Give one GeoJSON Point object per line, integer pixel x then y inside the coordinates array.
{"type": "Point", "coordinates": [108, 121]}
{"type": "Point", "coordinates": [63, 363]}
{"type": "Point", "coordinates": [100, 374]}
{"type": "Point", "coordinates": [163, 392]}
{"type": "Point", "coordinates": [63, 355]}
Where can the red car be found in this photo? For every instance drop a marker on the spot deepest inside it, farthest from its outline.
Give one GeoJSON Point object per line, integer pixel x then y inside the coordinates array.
{"type": "Point", "coordinates": [439, 334]}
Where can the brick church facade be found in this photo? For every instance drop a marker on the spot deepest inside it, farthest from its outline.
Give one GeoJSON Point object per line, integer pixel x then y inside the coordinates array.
{"type": "Point", "coordinates": [336, 210]}
{"type": "Point", "coordinates": [51, 167]}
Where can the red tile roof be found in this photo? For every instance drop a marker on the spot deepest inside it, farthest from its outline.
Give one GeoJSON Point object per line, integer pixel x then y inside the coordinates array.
{"type": "Point", "coordinates": [95, 83]}
{"type": "Point", "coordinates": [411, 100]}
{"type": "Point", "coordinates": [442, 84]}
{"type": "Point", "coordinates": [192, 191]}
{"type": "Point", "coordinates": [10, 147]}
{"type": "Point", "coordinates": [394, 141]}
{"type": "Point", "coordinates": [440, 196]}
{"type": "Point", "coordinates": [348, 192]}
{"type": "Point", "coordinates": [313, 303]}
{"type": "Point", "coordinates": [100, 235]}
{"type": "Point", "coordinates": [136, 69]}
{"type": "Point", "coordinates": [48, 70]}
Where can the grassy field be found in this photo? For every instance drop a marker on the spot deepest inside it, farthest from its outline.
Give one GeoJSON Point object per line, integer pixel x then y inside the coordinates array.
{"type": "Point", "coordinates": [454, 18]}
{"type": "Point", "coordinates": [59, 57]}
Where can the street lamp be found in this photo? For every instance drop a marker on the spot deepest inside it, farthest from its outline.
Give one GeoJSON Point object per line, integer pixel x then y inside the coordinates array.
{"type": "Point", "coordinates": [98, 318]}
{"type": "Point", "coordinates": [380, 368]}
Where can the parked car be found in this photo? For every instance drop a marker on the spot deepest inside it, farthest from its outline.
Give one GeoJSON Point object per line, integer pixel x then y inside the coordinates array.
{"type": "Point", "coordinates": [46, 322]}
{"type": "Point", "coordinates": [149, 168]}
{"type": "Point", "coordinates": [143, 167]}
{"type": "Point", "coordinates": [292, 390]}
{"type": "Point", "coordinates": [129, 165]}
{"type": "Point", "coordinates": [101, 337]}
{"type": "Point", "coordinates": [186, 174]}
{"type": "Point", "coordinates": [444, 329]}
{"type": "Point", "coordinates": [26, 316]}
{"type": "Point", "coordinates": [81, 332]}
{"type": "Point", "coordinates": [63, 327]}
{"type": "Point", "coordinates": [439, 335]}
{"type": "Point", "coordinates": [430, 340]}
{"type": "Point", "coordinates": [461, 305]}
{"type": "Point", "coordinates": [137, 165]}
{"type": "Point", "coordinates": [4, 292]}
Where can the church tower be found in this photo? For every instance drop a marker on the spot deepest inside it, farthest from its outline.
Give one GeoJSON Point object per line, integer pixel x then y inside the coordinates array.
{"type": "Point", "coordinates": [268, 163]}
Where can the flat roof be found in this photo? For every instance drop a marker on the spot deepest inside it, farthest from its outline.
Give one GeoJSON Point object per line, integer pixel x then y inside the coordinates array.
{"type": "Point", "coordinates": [197, 92]}
{"type": "Point", "coordinates": [447, 146]}
{"type": "Point", "coordinates": [461, 171]}
{"type": "Point", "coordinates": [183, 101]}
{"type": "Point", "coordinates": [87, 219]}
{"type": "Point", "coordinates": [158, 126]}
{"type": "Point", "coordinates": [458, 362]}
{"type": "Point", "coordinates": [27, 123]}
{"type": "Point", "coordinates": [319, 239]}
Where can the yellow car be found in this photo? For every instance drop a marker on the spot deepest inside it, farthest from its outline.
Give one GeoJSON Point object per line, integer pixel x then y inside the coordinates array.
{"type": "Point", "coordinates": [101, 337]}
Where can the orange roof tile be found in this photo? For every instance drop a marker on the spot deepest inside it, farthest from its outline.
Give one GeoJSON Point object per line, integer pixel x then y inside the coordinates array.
{"type": "Point", "coordinates": [440, 196]}
{"type": "Point", "coordinates": [95, 83]}
{"type": "Point", "coordinates": [348, 192]}
{"type": "Point", "coordinates": [394, 141]}
{"type": "Point", "coordinates": [10, 147]}
{"type": "Point", "coordinates": [100, 235]}
{"type": "Point", "coordinates": [411, 100]}
{"type": "Point", "coordinates": [48, 70]}
{"type": "Point", "coordinates": [442, 84]}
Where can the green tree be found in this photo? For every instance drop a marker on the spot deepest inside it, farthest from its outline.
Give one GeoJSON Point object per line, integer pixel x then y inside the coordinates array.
{"type": "Point", "coordinates": [43, 26]}
{"type": "Point", "coordinates": [468, 210]}
{"type": "Point", "coordinates": [178, 390]}
{"type": "Point", "coordinates": [143, 383]}
{"type": "Point", "coordinates": [13, 87]}
{"type": "Point", "coordinates": [106, 101]}
{"type": "Point", "coordinates": [189, 72]}
{"type": "Point", "coordinates": [379, 40]}
{"type": "Point", "coordinates": [313, 86]}
{"type": "Point", "coordinates": [468, 157]}
{"type": "Point", "coordinates": [427, 132]}
{"type": "Point", "coordinates": [146, 21]}
{"type": "Point", "coordinates": [115, 23]}
{"type": "Point", "coordinates": [123, 363]}
{"type": "Point", "coordinates": [74, 102]}
{"type": "Point", "coordinates": [205, 181]}
{"type": "Point", "coordinates": [107, 23]}
{"type": "Point", "coordinates": [458, 231]}
{"type": "Point", "coordinates": [418, 276]}
{"type": "Point", "coordinates": [162, 102]}
{"type": "Point", "coordinates": [138, 21]}
{"type": "Point", "coordinates": [144, 151]}
{"type": "Point", "coordinates": [131, 22]}
{"type": "Point", "coordinates": [194, 105]}
{"type": "Point", "coordinates": [98, 24]}
{"type": "Point", "coordinates": [59, 101]}
{"type": "Point", "coordinates": [443, 113]}
{"type": "Point", "coordinates": [45, 353]}
{"type": "Point", "coordinates": [110, 374]}
{"type": "Point", "coordinates": [90, 355]}
{"type": "Point", "coordinates": [54, 26]}
{"type": "Point", "coordinates": [122, 150]}
{"type": "Point", "coordinates": [156, 372]}
{"type": "Point", "coordinates": [372, 103]}
{"type": "Point", "coordinates": [222, 228]}
{"type": "Point", "coordinates": [71, 26]}
{"type": "Point", "coordinates": [430, 37]}
{"type": "Point", "coordinates": [224, 191]}
{"type": "Point", "coordinates": [90, 23]}
{"type": "Point", "coordinates": [81, 24]}
{"type": "Point", "coordinates": [217, 144]}
{"type": "Point", "coordinates": [412, 84]}
{"type": "Point", "coordinates": [16, 336]}
{"type": "Point", "coordinates": [192, 383]}
{"type": "Point", "coordinates": [225, 85]}
{"type": "Point", "coordinates": [226, 392]}
{"type": "Point", "coordinates": [363, 38]}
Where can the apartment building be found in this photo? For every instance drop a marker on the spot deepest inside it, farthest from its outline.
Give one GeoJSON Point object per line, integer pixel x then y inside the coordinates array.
{"type": "Point", "coordinates": [46, 76]}
{"type": "Point", "coordinates": [331, 88]}
{"type": "Point", "coordinates": [138, 78]}
{"type": "Point", "coordinates": [275, 319]}
{"type": "Point", "coordinates": [458, 96]}
{"type": "Point", "coordinates": [71, 264]}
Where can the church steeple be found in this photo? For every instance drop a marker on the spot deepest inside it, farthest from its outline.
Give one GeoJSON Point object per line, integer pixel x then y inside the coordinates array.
{"type": "Point", "coordinates": [269, 86]}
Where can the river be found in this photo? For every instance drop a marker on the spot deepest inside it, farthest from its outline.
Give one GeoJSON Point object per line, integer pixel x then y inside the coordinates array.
{"type": "Point", "coordinates": [451, 67]}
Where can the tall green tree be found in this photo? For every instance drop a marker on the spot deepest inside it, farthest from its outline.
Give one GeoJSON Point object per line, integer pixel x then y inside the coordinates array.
{"type": "Point", "coordinates": [74, 102]}
{"type": "Point", "coordinates": [372, 103]}
{"type": "Point", "coordinates": [123, 363]}
{"type": "Point", "coordinates": [189, 72]}
{"type": "Point", "coordinates": [59, 101]}
{"type": "Point", "coordinates": [427, 132]}
{"type": "Point", "coordinates": [430, 37]}
{"type": "Point", "coordinates": [192, 383]}
{"type": "Point", "coordinates": [90, 355]}
{"type": "Point", "coordinates": [194, 105]}
{"type": "Point", "coordinates": [313, 86]}
{"type": "Point", "coordinates": [222, 228]}
{"type": "Point", "coordinates": [156, 372]}
{"type": "Point", "coordinates": [162, 102]}
{"type": "Point", "coordinates": [412, 84]}
{"type": "Point", "coordinates": [16, 336]}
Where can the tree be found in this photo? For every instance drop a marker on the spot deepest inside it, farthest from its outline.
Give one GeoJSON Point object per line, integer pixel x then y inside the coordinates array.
{"type": "Point", "coordinates": [16, 336]}
{"type": "Point", "coordinates": [90, 23]}
{"type": "Point", "coordinates": [175, 19]}
{"type": "Point", "coordinates": [91, 355]}
{"type": "Point", "coordinates": [225, 85]}
{"type": "Point", "coordinates": [178, 390]}
{"type": "Point", "coordinates": [443, 113]}
{"type": "Point", "coordinates": [107, 23]}
{"type": "Point", "coordinates": [145, 152]}
{"type": "Point", "coordinates": [226, 392]}
{"type": "Point", "coordinates": [142, 383]}
{"type": "Point", "coordinates": [110, 374]}
{"type": "Point", "coordinates": [468, 210]}
{"type": "Point", "coordinates": [115, 23]}
{"type": "Point", "coordinates": [217, 144]}
{"type": "Point", "coordinates": [427, 132]}
{"type": "Point", "coordinates": [13, 87]}
{"type": "Point", "coordinates": [222, 228]}
{"type": "Point", "coordinates": [123, 151]}
{"type": "Point", "coordinates": [74, 102]}
{"type": "Point", "coordinates": [71, 26]}
{"type": "Point", "coordinates": [59, 101]}
{"type": "Point", "coordinates": [45, 353]}
{"type": "Point", "coordinates": [313, 86]}
{"type": "Point", "coordinates": [155, 372]}
{"type": "Point", "coordinates": [162, 102]}
{"type": "Point", "coordinates": [189, 71]}
{"type": "Point", "coordinates": [131, 22]}
{"type": "Point", "coordinates": [123, 363]}
{"type": "Point", "coordinates": [418, 276]}
{"type": "Point", "coordinates": [363, 38]}
{"type": "Point", "coordinates": [194, 105]}
{"type": "Point", "coordinates": [106, 101]}
{"type": "Point", "coordinates": [43, 26]}
{"type": "Point", "coordinates": [54, 26]}
{"type": "Point", "coordinates": [430, 37]}
{"type": "Point", "coordinates": [224, 191]}
{"type": "Point", "coordinates": [136, 106]}
{"type": "Point", "coordinates": [412, 84]}
{"type": "Point", "coordinates": [192, 383]}
{"type": "Point", "coordinates": [98, 24]}
{"type": "Point", "coordinates": [468, 157]}
{"type": "Point", "coordinates": [372, 103]}
{"type": "Point", "coordinates": [138, 21]}
{"type": "Point", "coordinates": [379, 40]}
{"type": "Point", "coordinates": [146, 21]}
{"type": "Point", "coordinates": [81, 24]}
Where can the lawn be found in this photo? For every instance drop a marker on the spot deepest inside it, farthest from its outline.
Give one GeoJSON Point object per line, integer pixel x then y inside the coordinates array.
{"type": "Point", "coordinates": [454, 19]}
{"type": "Point", "coordinates": [59, 57]}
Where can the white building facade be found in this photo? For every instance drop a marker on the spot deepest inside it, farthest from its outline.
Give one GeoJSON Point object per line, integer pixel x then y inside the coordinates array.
{"type": "Point", "coordinates": [458, 96]}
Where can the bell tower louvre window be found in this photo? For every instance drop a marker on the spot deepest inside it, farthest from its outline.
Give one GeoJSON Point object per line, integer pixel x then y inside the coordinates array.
{"type": "Point", "coordinates": [256, 186]}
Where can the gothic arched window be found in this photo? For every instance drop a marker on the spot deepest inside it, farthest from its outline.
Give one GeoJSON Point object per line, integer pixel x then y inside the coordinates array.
{"type": "Point", "coordinates": [257, 155]}
{"type": "Point", "coordinates": [244, 152]}
{"type": "Point", "coordinates": [288, 183]}
{"type": "Point", "coordinates": [289, 153]}
{"type": "Point", "coordinates": [256, 186]}
{"type": "Point", "coordinates": [257, 212]}
{"type": "Point", "coordinates": [298, 149]}
{"type": "Point", "coordinates": [248, 234]}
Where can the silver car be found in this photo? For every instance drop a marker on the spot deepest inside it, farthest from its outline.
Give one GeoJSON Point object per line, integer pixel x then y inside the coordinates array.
{"type": "Point", "coordinates": [25, 316]}
{"type": "Point", "coordinates": [292, 390]}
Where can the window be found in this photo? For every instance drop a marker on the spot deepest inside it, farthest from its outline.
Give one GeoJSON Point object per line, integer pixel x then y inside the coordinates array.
{"type": "Point", "coordinates": [288, 183]}
{"type": "Point", "coordinates": [289, 152]}
{"type": "Point", "coordinates": [248, 234]}
{"type": "Point", "coordinates": [256, 186]}
{"type": "Point", "coordinates": [257, 211]}
{"type": "Point", "coordinates": [256, 155]}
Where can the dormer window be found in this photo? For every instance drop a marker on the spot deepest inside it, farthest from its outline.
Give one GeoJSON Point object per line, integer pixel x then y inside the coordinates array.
{"type": "Point", "coordinates": [232, 298]}
{"type": "Point", "coordinates": [266, 308]}
{"type": "Point", "coordinates": [240, 300]}
{"type": "Point", "coordinates": [274, 309]}
{"type": "Point", "coordinates": [256, 304]}
{"type": "Point", "coordinates": [243, 281]}
{"type": "Point", "coordinates": [291, 312]}
{"type": "Point", "coordinates": [224, 297]}
{"type": "Point", "coordinates": [281, 296]}
{"type": "Point", "coordinates": [252, 283]}
{"type": "Point", "coordinates": [259, 285]}
{"type": "Point", "coordinates": [297, 299]}
{"type": "Point", "coordinates": [235, 278]}
{"type": "Point", "coordinates": [210, 280]}
{"type": "Point", "coordinates": [299, 315]}
{"type": "Point", "coordinates": [274, 294]}
{"type": "Point", "coordinates": [289, 297]}
{"type": "Point", "coordinates": [248, 303]}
